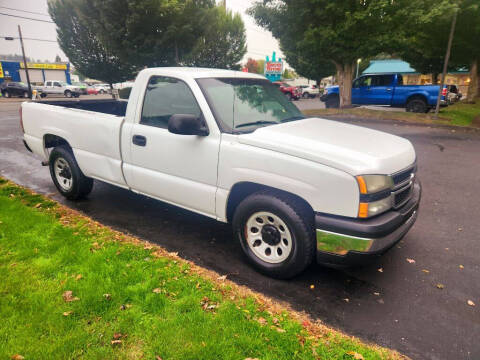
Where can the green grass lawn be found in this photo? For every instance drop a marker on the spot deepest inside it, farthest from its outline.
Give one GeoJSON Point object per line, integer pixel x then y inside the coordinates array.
{"type": "Point", "coordinates": [128, 301]}
{"type": "Point", "coordinates": [459, 114]}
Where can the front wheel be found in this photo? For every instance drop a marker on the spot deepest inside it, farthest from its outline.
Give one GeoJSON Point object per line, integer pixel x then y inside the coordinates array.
{"type": "Point", "coordinates": [68, 94]}
{"type": "Point", "coordinates": [306, 95]}
{"type": "Point", "coordinates": [276, 233]}
{"type": "Point", "coordinates": [332, 102]}
{"type": "Point", "coordinates": [67, 176]}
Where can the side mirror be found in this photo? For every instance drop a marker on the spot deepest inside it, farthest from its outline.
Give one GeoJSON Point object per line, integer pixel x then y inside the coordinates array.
{"type": "Point", "coordinates": [187, 124]}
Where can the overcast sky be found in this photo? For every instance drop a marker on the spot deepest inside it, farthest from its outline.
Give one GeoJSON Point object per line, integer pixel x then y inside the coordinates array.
{"type": "Point", "coordinates": [259, 41]}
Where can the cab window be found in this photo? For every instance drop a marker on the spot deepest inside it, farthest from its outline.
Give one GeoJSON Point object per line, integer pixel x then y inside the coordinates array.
{"type": "Point", "coordinates": [164, 97]}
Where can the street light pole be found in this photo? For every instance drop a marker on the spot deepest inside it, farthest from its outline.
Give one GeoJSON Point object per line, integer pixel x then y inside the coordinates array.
{"type": "Point", "coordinates": [445, 63]}
{"type": "Point", "coordinates": [25, 62]}
{"type": "Point", "coordinates": [358, 64]}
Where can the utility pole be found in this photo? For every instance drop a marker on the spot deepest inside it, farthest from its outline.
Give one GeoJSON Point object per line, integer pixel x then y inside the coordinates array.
{"type": "Point", "coordinates": [445, 63]}
{"type": "Point", "coordinates": [25, 62]}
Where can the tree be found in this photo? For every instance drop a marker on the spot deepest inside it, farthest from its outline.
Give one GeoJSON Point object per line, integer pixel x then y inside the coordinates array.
{"type": "Point", "coordinates": [339, 31]}
{"type": "Point", "coordinates": [82, 46]}
{"type": "Point", "coordinates": [466, 44]}
{"type": "Point", "coordinates": [167, 32]}
{"type": "Point", "coordinates": [252, 65]}
{"type": "Point", "coordinates": [260, 67]}
{"type": "Point", "coordinates": [222, 44]}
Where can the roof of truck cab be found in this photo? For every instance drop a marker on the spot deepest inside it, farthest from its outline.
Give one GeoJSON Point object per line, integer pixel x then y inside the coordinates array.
{"type": "Point", "coordinates": [196, 72]}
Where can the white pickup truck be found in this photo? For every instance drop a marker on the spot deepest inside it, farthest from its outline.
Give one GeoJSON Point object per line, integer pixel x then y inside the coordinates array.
{"type": "Point", "coordinates": [230, 146]}
{"type": "Point", "coordinates": [56, 87]}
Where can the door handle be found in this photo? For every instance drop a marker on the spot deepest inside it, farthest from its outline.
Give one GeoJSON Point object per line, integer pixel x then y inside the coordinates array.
{"type": "Point", "coordinates": [388, 89]}
{"type": "Point", "coordinates": [139, 140]}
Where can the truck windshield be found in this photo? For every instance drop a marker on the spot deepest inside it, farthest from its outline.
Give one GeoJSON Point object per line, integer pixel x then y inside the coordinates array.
{"type": "Point", "coordinates": [243, 105]}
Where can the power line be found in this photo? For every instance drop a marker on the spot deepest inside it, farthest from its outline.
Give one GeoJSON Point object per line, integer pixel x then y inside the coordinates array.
{"type": "Point", "coordinates": [30, 12]}
{"type": "Point", "coordinates": [14, 37]}
{"type": "Point", "coordinates": [23, 17]}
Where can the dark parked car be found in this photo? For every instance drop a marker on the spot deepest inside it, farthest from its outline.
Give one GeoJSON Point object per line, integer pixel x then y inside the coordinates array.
{"type": "Point", "coordinates": [10, 89]}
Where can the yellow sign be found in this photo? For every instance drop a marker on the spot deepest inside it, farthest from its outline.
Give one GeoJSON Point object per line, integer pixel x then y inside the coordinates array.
{"type": "Point", "coordinates": [1, 71]}
{"type": "Point", "coordinates": [44, 66]}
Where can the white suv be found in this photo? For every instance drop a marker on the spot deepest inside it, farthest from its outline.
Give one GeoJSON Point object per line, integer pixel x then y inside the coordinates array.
{"type": "Point", "coordinates": [309, 91]}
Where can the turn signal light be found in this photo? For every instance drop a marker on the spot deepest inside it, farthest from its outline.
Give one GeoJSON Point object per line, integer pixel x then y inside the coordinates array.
{"type": "Point", "coordinates": [362, 185]}
{"type": "Point", "coordinates": [363, 210]}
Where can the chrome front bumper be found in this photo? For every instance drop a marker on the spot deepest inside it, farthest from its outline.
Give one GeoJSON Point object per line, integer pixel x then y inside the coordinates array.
{"type": "Point", "coordinates": [349, 241]}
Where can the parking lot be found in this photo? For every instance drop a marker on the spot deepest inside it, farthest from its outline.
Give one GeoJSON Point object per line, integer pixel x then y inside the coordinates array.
{"type": "Point", "coordinates": [396, 301]}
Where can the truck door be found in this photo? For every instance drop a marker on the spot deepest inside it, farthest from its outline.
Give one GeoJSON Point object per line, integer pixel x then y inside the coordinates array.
{"type": "Point", "coordinates": [181, 169]}
{"type": "Point", "coordinates": [380, 91]}
{"type": "Point", "coordinates": [57, 88]}
{"type": "Point", "coordinates": [360, 90]}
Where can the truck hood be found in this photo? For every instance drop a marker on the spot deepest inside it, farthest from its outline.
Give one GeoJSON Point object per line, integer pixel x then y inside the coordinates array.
{"type": "Point", "coordinates": [354, 149]}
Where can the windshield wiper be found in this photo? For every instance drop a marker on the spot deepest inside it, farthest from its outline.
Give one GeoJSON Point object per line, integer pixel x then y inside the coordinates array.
{"type": "Point", "coordinates": [260, 122]}
{"type": "Point", "coordinates": [292, 118]}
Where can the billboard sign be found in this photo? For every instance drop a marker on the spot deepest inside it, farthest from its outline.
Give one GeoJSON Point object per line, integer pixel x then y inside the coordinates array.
{"type": "Point", "coordinates": [273, 68]}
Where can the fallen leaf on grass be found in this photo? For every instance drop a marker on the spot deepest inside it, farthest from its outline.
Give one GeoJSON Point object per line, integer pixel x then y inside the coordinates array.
{"type": "Point", "coordinates": [262, 321]}
{"type": "Point", "coordinates": [125, 306]}
{"type": "Point", "coordinates": [157, 290]}
{"type": "Point", "coordinates": [222, 278]}
{"type": "Point", "coordinates": [117, 336]}
{"type": "Point", "coordinates": [275, 320]}
{"type": "Point", "coordinates": [17, 357]}
{"type": "Point", "coordinates": [411, 261]}
{"type": "Point", "coordinates": [355, 355]}
{"type": "Point", "coordinates": [38, 205]}
{"type": "Point", "coordinates": [107, 296]}
{"type": "Point", "coordinates": [78, 277]}
{"type": "Point", "coordinates": [471, 303]}
{"type": "Point", "coordinates": [116, 342]}
{"type": "Point", "coordinates": [158, 358]}
{"type": "Point", "coordinates": [440, 286]}
{"type": "Point", "coordinates": [208, 305]}
{"type": "Point", "coordinates": [67, 313]}
{"type": "Point", "coordinates": [147, 247]}
{"type": "Point", "coordinates": [68, 296]}
{"type": "Point", "coordinates": [252, 359]}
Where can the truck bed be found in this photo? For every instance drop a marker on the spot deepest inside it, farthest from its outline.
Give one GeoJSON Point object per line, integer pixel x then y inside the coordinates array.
{"type": "Point", "coordinates": [105, 106]}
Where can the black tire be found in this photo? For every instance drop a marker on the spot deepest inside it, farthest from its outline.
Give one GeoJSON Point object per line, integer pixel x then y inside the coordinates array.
{"type": "Point", "coordinates": [43, 95]}
{"type": "Point", "coordinates": [417, 105]}
{"type": "Point", "coordinates": [68, 93]}
{"type": "Point", "coordinates": [300, 222]}
{"type": "Point", "coordinates": [81, 185]}
{"type": "Point", "coordinates": [305, 95]}
{"type": "Point", "coordinates": [6, 94]}
{"type": "Point", "coordinates": [289, 96]}
{"type": "Point", "coordinates": [332, 102]}
{"type": "Point", "coordinates": [102, 92]}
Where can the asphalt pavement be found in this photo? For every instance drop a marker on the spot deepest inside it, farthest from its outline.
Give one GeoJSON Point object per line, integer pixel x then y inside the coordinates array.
{"type": "Point", "coordinates": [394, 302]}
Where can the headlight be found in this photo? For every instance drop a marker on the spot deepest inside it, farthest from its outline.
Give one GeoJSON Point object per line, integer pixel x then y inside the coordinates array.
{"type": "Point", "coordinates": [368, 209]}
{"type": "Point", "coordinates": [374, 184]}
{"type": "Point", "coordinates": [369, 184]}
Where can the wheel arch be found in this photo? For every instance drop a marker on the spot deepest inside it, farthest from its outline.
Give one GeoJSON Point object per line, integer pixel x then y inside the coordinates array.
{"type": "Point", "coordinates": [52, 140]}
{"type": "Point", "coordinates": [417, 96]}
{"type": "Point", "coordinates": [241, 190]}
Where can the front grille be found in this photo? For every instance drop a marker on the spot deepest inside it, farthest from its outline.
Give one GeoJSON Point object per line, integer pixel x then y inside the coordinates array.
{"type": "Point", "coordinates": [403, 186]}
{"type": "Point", "coordinates": [402, 176]}
{"type": "Point", "coordinates": [402, 196]}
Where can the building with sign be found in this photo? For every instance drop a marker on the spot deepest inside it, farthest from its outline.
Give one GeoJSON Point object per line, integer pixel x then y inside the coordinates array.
{"type": "Point", "coordinates": [38, 72]}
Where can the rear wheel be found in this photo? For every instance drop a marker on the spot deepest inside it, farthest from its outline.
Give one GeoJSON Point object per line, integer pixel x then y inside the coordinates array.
{"type": "Point", "coordinates": [417, 105]}
{"type": "Point", "coordinates": [289, 96]}
{"type": "Point", "coordinates": [332, 102]}
{"type": "Point", "coordinates": [67, 176]}
{"type": "Point", "coordinates": [276, 233]}
{"type": "Point", "coordinates": [306, 95]}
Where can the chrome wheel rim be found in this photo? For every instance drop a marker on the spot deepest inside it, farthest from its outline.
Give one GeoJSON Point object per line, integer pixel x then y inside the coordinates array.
{"type": "Point", "coordinates": [268, 237]}
{"type": "Point", "coordinates": [63, 174]}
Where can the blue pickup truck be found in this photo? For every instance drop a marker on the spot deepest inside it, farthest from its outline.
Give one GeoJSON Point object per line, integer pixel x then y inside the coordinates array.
{"type": "Point", "coordinates": [388, 89]}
